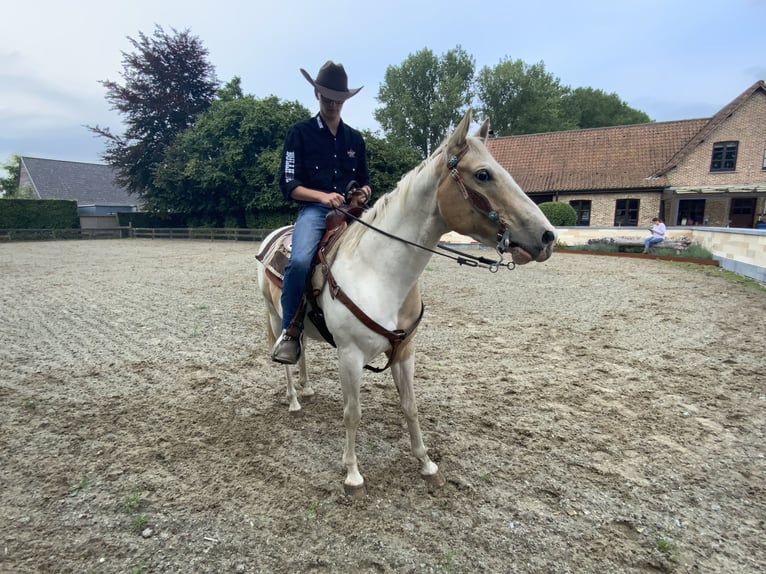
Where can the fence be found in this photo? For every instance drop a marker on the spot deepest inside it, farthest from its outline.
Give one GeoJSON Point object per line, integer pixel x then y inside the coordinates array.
{"type": "Point", "coordinates": [230, 234]}
{"type": "Point", "coordinates": [740, 250]}
{"type": "Point", "coordinates": [211, 233]}
{"type": "Point", "coordinates": [48, 234]}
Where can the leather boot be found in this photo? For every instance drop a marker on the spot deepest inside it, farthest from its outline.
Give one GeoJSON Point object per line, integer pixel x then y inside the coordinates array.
{"type": "Point", "coordinates": [287, 349]}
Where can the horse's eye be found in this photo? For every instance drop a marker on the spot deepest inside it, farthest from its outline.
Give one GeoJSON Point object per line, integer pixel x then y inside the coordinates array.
{"type": "Point", "coordinates": [483, 175]}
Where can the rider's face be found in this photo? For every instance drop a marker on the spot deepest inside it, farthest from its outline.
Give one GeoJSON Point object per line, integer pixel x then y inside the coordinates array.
{"type": "Point", "coordinates": [330, 109]}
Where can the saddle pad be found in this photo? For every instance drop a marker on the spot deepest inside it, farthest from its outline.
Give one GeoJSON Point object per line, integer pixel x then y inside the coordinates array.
{"type": "Point", "coordinates": [276, 254]}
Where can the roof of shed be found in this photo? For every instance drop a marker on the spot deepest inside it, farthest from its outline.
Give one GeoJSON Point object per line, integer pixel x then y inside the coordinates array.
{"type": "Point", "coordinates": [86, 183]}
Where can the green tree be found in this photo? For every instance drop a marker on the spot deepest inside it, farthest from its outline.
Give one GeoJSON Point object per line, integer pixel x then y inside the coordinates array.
{"type": "Point", "coordinates": [388, 159]}
{"type": "Point", "coordinates": [226, 166]}
{"type": "Point", "coordinates": [9, 185]}
{"type": "Point", "coordinates": [231, 90]}
{"type": "Point", "coordinates": [592, 108]}
{"type": "Point", "coordinates": [168, 81]}
{"type": "Point", "coordinates": [425, 97]}
{"type": "Point", "coordinates": [520, 99]}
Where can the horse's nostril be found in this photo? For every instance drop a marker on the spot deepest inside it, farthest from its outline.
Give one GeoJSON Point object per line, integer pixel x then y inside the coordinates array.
{"type": "Point", "coordinates": [548, 237]}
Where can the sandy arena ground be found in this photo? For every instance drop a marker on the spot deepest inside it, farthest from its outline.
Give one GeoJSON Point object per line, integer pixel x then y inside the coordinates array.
{"type": "Point", "coordinates": [590, 414]}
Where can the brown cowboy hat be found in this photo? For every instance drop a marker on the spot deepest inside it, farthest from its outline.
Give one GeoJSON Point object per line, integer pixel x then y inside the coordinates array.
{"type": "Point", "coordinates": [331, 82]}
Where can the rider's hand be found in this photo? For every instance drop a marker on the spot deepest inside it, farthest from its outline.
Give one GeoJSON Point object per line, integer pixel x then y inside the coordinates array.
{"type": "Point", "coordinates": [332, 199]}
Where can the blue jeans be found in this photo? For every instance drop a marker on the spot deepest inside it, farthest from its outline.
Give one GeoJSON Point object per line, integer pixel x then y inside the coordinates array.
{"type": "Point", "coordinates": [650, 242]}
{"type": "Point", "coordinates": [309, 228]}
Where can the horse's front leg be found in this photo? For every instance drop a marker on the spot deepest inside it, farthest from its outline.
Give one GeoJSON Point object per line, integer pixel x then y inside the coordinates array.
{"type": "Point", "coordinates": [350, 371]}
{"type": "Point", "coordinates": [403, 371]}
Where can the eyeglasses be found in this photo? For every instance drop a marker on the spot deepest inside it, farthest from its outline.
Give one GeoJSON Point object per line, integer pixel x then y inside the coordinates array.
{"type": "Point", "coordinates": [328, 101]}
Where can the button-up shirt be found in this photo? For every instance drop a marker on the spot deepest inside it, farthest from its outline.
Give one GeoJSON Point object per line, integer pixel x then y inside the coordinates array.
{"type": "Point", "coordinates": [315, 158]}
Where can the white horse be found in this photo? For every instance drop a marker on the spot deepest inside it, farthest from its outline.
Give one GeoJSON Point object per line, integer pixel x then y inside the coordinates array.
{"type": "Point", "coordinates": [460, 187]}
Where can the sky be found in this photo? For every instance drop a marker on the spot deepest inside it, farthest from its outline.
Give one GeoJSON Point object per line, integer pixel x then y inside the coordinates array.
{"type": "Point", "coordinates": [673, 59]}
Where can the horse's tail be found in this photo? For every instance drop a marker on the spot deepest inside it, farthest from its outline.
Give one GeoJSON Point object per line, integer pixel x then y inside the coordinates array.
{"type": "Point", "coordinates": [269, 291]}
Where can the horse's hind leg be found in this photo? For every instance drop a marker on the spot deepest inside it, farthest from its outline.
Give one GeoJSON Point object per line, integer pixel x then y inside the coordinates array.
{"type": "Point", "coordinates": [292, 394]}
{"type": "Point", "coordinates": [303, 380]}
{"type": "Point", "coordinates": [403, 372]}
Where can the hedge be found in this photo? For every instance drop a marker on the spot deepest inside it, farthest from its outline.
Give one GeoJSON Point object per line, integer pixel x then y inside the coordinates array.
{"type": "Point", "coordinates": [38, 214]}
{"type": "Point", "coordinates": [559, 213]}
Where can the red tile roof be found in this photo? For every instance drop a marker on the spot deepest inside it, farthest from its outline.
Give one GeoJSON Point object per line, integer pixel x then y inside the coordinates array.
{"type": "Point", "coordinates": [620, 157]}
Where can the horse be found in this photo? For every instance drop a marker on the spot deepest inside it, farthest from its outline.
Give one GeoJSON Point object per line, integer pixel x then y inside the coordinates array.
{"type": "Point", "coordinates": [370, 296]}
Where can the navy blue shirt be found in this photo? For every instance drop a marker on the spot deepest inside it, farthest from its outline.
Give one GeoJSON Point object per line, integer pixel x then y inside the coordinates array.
{"type": "Point", "coordinates": [316, 159]}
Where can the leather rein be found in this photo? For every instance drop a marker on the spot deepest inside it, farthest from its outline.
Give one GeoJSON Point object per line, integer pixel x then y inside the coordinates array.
{"type": "Point", "coordinates": [481, 204]}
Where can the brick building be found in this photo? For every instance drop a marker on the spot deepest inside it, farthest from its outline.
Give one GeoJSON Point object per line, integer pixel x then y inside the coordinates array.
{"type": "Point", "coordinates": [709, 171]}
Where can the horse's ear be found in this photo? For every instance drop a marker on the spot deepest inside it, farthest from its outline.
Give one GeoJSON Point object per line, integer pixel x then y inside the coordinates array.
{"type": "Point", "coordinates": [457, 139]}
{"type": "Point", "coordinates": [483, 131]}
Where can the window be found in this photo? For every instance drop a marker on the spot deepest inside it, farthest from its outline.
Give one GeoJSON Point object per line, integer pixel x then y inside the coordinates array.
{"type": "Point", "coordinates": [724, 156]}
{"type": "Point", "coordinates": [542, 198]}
{"type": "Point", "coordinates": [691, 212]}
{"type": "Point", "coordinates": [626, 212]}
{"type": "Point", "coordinates": [764, 159]}
{"type": "Point", "coordinates": [582, 207]}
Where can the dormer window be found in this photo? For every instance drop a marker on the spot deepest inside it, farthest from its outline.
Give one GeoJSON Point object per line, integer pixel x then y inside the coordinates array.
{"type": "Point", "coordinates": [724, 156]}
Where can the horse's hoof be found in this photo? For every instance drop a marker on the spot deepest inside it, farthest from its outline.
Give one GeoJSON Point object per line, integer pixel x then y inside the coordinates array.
{"type": "Point", "coordinates": [434, 481]}
{"type": "Point", "coordinates": [355, 491]}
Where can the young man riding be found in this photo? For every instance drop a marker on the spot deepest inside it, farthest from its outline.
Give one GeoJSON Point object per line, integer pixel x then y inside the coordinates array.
{"type": "Point", "coordinates": [321, 156]}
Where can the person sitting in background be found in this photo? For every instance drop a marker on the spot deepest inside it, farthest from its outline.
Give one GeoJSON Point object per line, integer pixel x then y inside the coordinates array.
{"type": "Point", "coordinates": [658, 235]}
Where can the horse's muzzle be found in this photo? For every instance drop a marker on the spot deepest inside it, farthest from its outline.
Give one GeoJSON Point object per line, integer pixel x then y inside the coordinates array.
{"type": "Point", "coordinates": [521, 256]}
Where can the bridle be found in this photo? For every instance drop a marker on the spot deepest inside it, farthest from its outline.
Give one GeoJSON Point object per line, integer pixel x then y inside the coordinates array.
{"type": "Point", "coordinates": [480, 203]}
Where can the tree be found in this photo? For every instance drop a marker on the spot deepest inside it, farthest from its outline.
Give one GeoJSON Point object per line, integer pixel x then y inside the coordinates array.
{"type": "Point", "coordinates": [231, 90]}
{"type": "Point", "coordinates": [167, 83]}
{"type": "Point", "coordinates": [9, 185]}
{"type": "Point", "coordinates": [226, 165]}
{"type": "Point", "coordinates": [388, 159]}
{"type": "Point", "coordinates": [521, 99]}
{"type": "Point", "coordinates": [425, 97]}
{"type": "Point", "coordinates": [592, 108]}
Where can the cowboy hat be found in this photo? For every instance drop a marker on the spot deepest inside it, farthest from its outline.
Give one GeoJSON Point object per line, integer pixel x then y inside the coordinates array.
{"type": "Point", "coordinates": [332, 82]}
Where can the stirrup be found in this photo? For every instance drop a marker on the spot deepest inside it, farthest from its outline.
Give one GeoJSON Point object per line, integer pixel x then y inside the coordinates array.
{"type": "Point", "coordinates": [287, 349]}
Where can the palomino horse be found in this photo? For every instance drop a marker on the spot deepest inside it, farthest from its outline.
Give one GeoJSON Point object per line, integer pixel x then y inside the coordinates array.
{"type": "Point", "coordinates": [459, 187]}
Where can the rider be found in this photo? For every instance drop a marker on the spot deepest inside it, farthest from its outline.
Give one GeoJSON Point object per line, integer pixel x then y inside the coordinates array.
{"type": "Point", "coordinates": [322, 155]}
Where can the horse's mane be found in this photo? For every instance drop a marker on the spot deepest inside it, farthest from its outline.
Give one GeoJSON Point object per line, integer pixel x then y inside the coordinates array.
{"type": "Point", "coordinates": [404, 187]}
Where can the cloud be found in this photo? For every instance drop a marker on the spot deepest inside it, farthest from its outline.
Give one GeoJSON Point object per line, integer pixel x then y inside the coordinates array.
{"type": "Point", "coordinates": [653, 53]}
